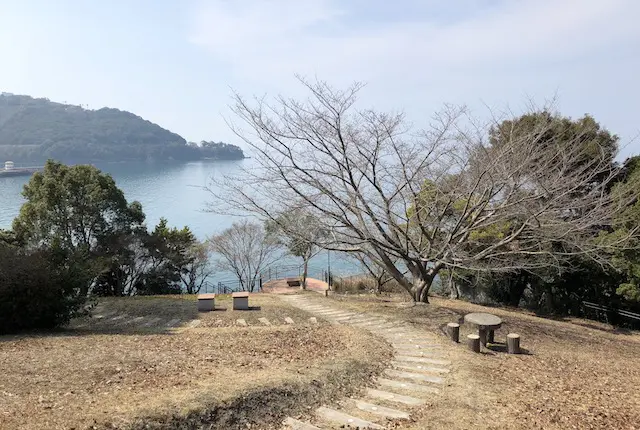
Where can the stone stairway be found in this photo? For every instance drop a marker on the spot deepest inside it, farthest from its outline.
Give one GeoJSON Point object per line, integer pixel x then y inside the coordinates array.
{"type": "Point", "coordinates": [417, 373]}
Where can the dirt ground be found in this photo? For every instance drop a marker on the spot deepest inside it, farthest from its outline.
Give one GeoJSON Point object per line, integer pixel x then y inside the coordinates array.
{"type": "Point", "coordinates": [105, 373]}
{"type": "Point", "coordinates": [575, 374]}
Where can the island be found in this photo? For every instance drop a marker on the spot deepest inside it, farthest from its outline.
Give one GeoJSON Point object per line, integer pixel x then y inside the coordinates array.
{"type": "Point", "coordinates": [33, 130]}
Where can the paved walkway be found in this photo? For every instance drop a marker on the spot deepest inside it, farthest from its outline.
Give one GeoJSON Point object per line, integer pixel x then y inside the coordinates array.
{"type": "Point", "coordinates": [417, 373]}
{"type": "Point", "coordinates": [279, 286]}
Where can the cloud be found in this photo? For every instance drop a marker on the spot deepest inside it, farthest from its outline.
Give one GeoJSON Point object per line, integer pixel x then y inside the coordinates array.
{"type": "Point", "coordinates": [270, 39]}
{"type": "Point", "coordinates": [468, 51]}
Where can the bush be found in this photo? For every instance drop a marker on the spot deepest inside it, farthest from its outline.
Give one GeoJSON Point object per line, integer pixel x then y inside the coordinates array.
{"type": "Point", "coordinates": [35, 293]}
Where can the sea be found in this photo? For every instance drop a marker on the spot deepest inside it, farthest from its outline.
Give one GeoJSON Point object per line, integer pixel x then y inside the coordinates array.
{"type": "Point", "coordinates": [176, 191]}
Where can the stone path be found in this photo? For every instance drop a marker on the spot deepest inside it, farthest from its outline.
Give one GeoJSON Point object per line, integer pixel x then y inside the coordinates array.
{"type": "Point", "coordinates": [122, 320]}
{"type": "Point", "coordinates": [417, 373]}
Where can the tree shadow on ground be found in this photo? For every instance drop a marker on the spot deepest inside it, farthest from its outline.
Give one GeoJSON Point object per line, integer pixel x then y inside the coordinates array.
{"type": "Point", "coordinates": [250, 308]}
{"type": "Point", "coordinates": [501, 347]}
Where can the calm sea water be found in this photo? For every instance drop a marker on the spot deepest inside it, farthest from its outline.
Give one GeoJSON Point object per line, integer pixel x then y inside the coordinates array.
{"type": "Point", "coordinates": [172, 191]}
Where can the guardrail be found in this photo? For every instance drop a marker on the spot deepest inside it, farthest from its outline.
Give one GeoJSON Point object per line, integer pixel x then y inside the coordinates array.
{"type": "Point", "coordinates": [608, 311]}
{"type": "Point", "coordinates": [226, 286]}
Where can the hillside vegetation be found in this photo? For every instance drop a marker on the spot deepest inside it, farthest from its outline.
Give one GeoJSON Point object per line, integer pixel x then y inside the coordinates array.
{"type": "Point", "coordinates": [37, 129]}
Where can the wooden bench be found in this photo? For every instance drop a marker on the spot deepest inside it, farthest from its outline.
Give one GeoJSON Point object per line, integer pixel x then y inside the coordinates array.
{"type": "Point", "coordinates": [206, 302]}
{"type": "Point", "coordinates": [240, 300]}
{"type": "Point", "coordinates": [293, 282]}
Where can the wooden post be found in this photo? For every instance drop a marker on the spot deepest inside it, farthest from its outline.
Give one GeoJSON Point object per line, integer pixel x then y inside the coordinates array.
{"type": "Point", "coordinates": [453, 330]}
{"type": "Point", "coordinates": [513, 343]}
{"type": "Point", "coordinates": [473, 342]}
{"type": "Point", "coordinates": [490, 336]}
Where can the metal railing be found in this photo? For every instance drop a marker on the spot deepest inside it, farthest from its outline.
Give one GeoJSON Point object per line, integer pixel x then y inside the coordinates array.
{"type": "Point", "coordinates": [606, 313]}
{"type": "Point", "coordinates": [227, 286]}
{"type": "Point", "coordinates": [293, 271]}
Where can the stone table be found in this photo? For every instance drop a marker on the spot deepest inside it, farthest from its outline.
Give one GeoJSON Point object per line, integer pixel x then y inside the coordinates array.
{"type": "Point", "coordinates": [486, 323]}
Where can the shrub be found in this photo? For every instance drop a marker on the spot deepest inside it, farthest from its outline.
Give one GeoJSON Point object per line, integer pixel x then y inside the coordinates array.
{"type": "Point", "coordinates": [35, 293]}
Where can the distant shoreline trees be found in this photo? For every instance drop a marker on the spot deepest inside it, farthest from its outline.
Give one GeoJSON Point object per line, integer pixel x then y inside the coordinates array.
{"type": "Point", "coordinates": [35, 130]}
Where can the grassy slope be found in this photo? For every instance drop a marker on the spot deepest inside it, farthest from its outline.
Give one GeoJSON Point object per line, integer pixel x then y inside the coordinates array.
{"type": "Point", "coordinates": [107, 373]}
{"type": "Point", "coordinates": [577, 373]}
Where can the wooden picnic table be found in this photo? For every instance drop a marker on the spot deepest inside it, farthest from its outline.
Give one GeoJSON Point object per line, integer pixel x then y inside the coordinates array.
{"type": "Point", "coordinates": [486, 323]}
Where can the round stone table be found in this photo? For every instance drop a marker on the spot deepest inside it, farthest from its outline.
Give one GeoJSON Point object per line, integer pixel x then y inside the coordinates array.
{"type": "Point", "coordinates": [486, 323]}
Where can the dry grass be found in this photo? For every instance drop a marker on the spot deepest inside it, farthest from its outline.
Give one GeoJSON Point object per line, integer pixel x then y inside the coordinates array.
{"type": "Point", "coordinates": [109, 375]}
{"type": "Point", "coordinates": [576, 373]}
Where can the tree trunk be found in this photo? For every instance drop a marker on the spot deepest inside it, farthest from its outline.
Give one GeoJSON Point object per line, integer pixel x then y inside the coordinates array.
{"type": "Point", "coordinates": [305, 267]}
{"type": "Point", "coordinates": [517, 291]}
{"type": "Point", "coordinates": [420, 290]}
{"type": "Point", "coordinates": [454, 292]}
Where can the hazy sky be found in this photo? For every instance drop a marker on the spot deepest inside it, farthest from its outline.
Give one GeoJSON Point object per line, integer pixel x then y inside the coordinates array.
{"type": "Point", "coordinates": [174, 62]}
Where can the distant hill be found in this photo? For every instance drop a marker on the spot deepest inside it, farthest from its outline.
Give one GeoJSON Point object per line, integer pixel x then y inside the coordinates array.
{"type": "Point", "coordinates": [33, 130]}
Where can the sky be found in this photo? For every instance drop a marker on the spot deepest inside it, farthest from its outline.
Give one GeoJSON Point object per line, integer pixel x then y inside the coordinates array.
{"type": "Point", "coordinates": [177, 62]}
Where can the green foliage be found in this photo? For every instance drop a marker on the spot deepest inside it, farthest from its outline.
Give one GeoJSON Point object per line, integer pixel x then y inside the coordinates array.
{"type": "Point", "coordinates": [76, 208]}
{"type": "Point", "coordinates": [35, 291]}
{"type": "Point", "coordinates": [559, 290]}
{"type": "Point", "coordinates": [627, 261]}
{"type": "Point", "coordinates": [175, 255]}
{"type": "Point", "coordinates": [546, 128]}
{"type": "Point", "coordinates": [76, 236]}
{"type": "Point", "coordinates": [78, 214]}
{"type": "Point", "coordinates": [161, 262]}
{"type": "Point", "coordinates": [33, 130]}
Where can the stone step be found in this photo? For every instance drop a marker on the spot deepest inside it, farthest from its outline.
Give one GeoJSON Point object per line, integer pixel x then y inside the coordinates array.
{"type": "Point", "coordinates": [335, 316]}
{"type": "Point", "coordinates": [418, 367]}
{"type": "Point", "coordinates": [368, 323]}
{"type": "Point", "coordinates": [264, 321]}
{"type": "Point", "coordinates": [135, 320]}
{"type": "Point", "coordinates": [352, 317]}
{"type": "Point", "coordinates": [393, 397]}
{"type": "Point", "coordinates": [416, 345]}
{"type": "Point", "coordinates": [401, 335]}
{"type": "Point", "coordinates": [340, 418]}
{"type": "Point", "coordinates": [426, 360]}
{"type": "Point", "coordinates": [419, 353]}
{"type": "Point", "coordinates": [151, 322]}
{"type": "Point", "coordinates": [173, 322]}
{"type": "Point", "coordinates": [382, 411]}
{"type": "Point", "coordinates": [293, 424]}
{"type": "Point", "coordinates": [403, 385]}
{"type": "Point", "coordinates": [101, 315]}
{"type": "Point", "coordinates": [386, 325]}
{"type": "Point", "coordinates": [420, 348]}
{"type": "Point", "coordinates": [337, 312]}
{"type": "Point", "coordinates": [194, 323]}
{"type": "Point", "coordinates": [416, 377]}
{"type": "Point", "coordinates": [356, 320]}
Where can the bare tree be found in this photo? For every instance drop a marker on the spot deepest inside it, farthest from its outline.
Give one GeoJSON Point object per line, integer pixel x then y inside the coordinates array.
{"type": "Point", "coordinates": [197, 269]}
{"type": "Point", "coordinates": [245, 250]}
{"type": "Point", "coordinates": [300, 233]}
{"type": "Point", "coordinates": [444, 197]}
{"type": "Point", "coordinates": [378, 273]}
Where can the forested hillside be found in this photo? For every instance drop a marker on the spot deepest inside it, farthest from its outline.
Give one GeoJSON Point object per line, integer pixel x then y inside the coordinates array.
{"type": "Point", "coordinates": [33, 130]}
